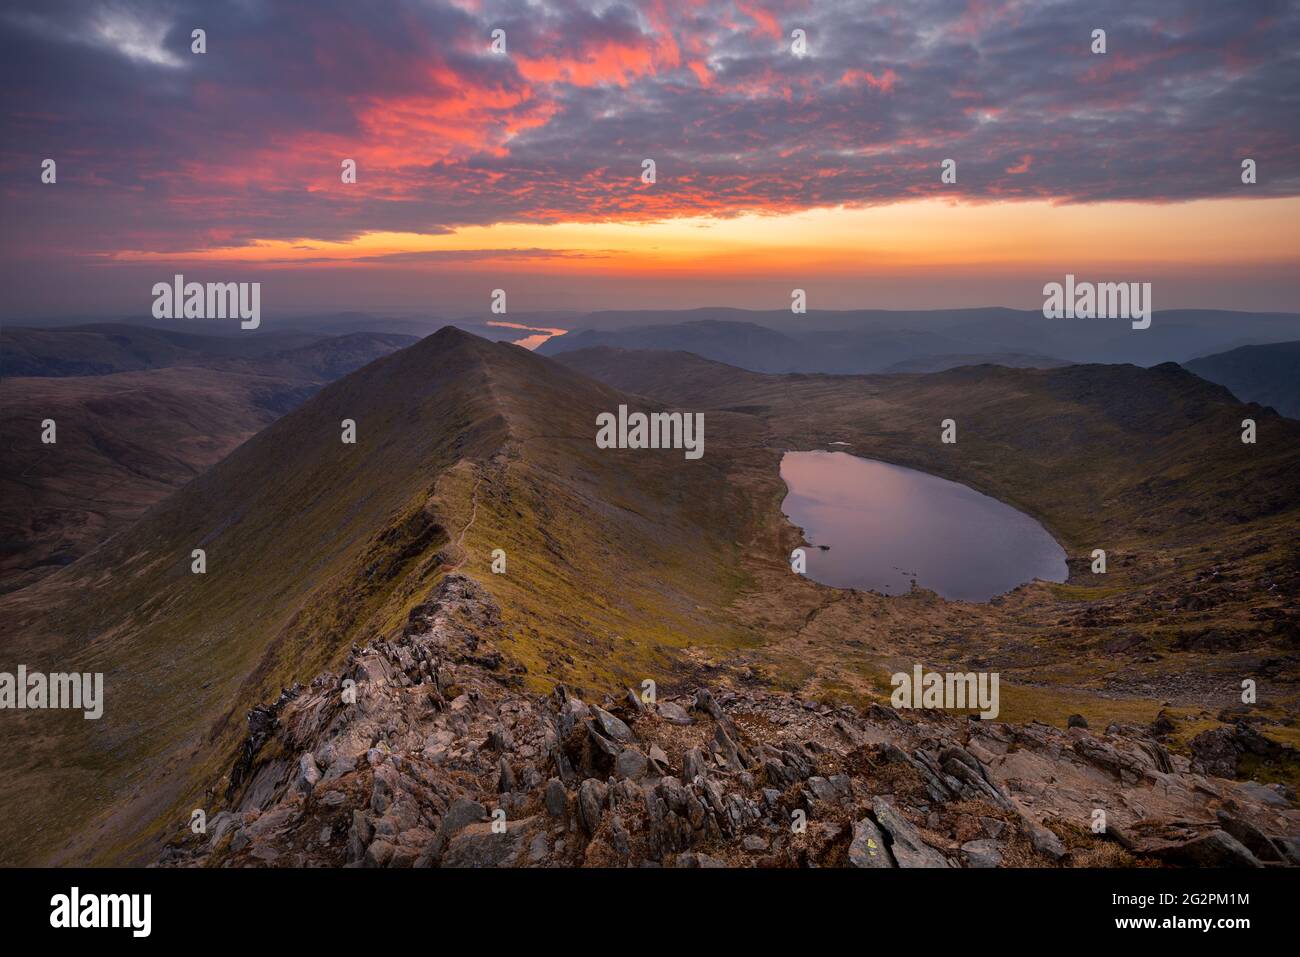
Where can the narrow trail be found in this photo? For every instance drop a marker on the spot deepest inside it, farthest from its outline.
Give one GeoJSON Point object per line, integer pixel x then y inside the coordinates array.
{"type": "Point", "coordinates": [478, 480]}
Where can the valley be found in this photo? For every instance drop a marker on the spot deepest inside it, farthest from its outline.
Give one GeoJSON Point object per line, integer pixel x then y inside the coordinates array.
{"type": "Point", "coordinates": [1200, 590]}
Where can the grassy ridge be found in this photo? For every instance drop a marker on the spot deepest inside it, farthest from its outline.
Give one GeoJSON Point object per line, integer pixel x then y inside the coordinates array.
{"type": "Point", "coordinates": [463, 446]}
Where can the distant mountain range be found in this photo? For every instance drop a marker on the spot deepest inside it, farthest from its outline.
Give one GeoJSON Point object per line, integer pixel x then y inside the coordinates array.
{"type": "Point", "coordinates": [109, 347]}
{"type": "Point", "coordinates": [939, 363]}
{"type": "Point", "coordinates": [848, 341]}
{"type": "Point", "coordinates": [138, 412]}
{"type": "Point", "coordinates": [876, 341]}
{"type": "Point", "coordinates": [1268, 374]}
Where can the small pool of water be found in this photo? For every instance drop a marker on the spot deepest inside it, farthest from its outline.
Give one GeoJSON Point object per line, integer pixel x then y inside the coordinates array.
{"type": "Point", "coordinates": [886, 525]}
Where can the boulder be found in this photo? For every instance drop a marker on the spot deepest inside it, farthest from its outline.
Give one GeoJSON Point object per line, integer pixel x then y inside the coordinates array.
{"type": "Point", "coordinates": [867, 849]}
{"type": "Point", "coordinates": [556, 799]}
{"type": "Point", "coordinates": [674, 713]}
{"type": "Point", "coordinates": [982, 853]}
{"type": "Point", "coordinates": [489, 844]}
{"type": "Point", "coordinates": [611, 726]}
{"type": "Point", "coordinates": [905, 841]}
{"type": "Point", "coordinates": [630, 763]}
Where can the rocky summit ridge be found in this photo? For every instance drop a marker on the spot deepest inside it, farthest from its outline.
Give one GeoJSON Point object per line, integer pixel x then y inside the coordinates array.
{"type": "Point", "coordinates": [443, 760]}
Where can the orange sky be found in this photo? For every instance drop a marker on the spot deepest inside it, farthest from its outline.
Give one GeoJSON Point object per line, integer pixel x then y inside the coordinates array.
{"type": "Point", "coordinates": [920, 234]}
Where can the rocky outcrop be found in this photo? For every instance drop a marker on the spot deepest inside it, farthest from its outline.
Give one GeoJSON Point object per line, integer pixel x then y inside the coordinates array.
{"type": "Point", "coordinates": [1220, 751]}
{"type": "Point", "coordinates": [424, 752]}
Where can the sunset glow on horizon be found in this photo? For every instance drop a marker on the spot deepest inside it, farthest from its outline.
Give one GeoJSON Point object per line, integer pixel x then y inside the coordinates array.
{"type": "Point", "coordinates": [906, 235]}
{"type": "Point", "coordinates": [525, 166]}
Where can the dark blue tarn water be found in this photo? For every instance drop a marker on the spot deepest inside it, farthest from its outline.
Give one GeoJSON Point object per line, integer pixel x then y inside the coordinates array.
{"type": "Point", "coordinates": [886, 525]}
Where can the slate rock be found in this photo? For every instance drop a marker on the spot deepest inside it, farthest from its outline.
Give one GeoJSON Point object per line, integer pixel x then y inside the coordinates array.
{"type": "Point", "coordinates": [488, 845]}
{"type": "Point", "coordinates": [674, 713]}
{"type": "Point", "coordinates": [631, 764]}
{"type": "Point", "coordinates": [611, 726]}
{"type": "Point", "coordinates": [556, 799]}
{"type": "Point", "coordinates": [982, 853]}
{"type": "Point", "coordinates": [906, 844]}
{"type": "Point", "coordinates": [867, 848]}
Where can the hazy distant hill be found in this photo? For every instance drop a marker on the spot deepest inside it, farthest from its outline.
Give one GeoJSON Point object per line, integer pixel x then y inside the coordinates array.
{"type": "Point", "coordinates": [1267, 374]}
{"type": "Point", "coordinates": [323, 360]}
{"type": "Point", "coordinates": [124, 442]}
{"type": "Point", "coordinates": [743, 344]}
{"type": "Point", "coordinates": [106, 348]}
{"type": "Point", "coordinates": [751, 346]}
{"type": "Point", "coordinates": [1012, 360]}
{"type": "Point", "coordinates": [127, 439]}
{"type": "Point", "coordinates": [865, 341]}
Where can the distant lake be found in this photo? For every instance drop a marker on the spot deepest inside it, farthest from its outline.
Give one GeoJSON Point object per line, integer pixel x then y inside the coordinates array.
{"type": "Point", "coordinates": [886, 525]}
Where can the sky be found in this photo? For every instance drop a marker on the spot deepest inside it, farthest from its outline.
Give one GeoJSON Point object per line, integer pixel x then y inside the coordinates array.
{"type": "Point", "coordinates": [775, 168]}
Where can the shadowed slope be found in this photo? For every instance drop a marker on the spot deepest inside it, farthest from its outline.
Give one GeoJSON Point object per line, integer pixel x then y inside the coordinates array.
{"type": "Point", "coordinates": [128, 439]}
{"type": "Point", "coordinates": [1267, 374]}
{"type": "Point", "coordinates": [103, 348]}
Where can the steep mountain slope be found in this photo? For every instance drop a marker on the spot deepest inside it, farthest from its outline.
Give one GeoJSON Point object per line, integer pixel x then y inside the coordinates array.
{"type": "Point", "coordinates": [462, 446]}
{"type": "Point", "coordinates": [127, 439]}
{"type": "Point", "coordinates": [871, 340]}
{"type": "Point", "coordinates": [1268, 374]}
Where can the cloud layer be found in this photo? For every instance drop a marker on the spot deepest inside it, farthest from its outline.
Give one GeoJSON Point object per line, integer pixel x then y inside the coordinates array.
{"type": "Point", "coordinates": [163, 150]}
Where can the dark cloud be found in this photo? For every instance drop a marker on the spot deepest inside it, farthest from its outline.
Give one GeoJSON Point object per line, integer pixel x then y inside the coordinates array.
{"type": "Point", "coordinates": [162, 150]}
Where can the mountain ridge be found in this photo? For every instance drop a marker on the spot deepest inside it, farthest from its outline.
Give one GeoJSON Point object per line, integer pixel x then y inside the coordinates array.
{"type": "Point", "coordinates": [437, 736]}
{"type": "Point", "coordinates": [311, 544]}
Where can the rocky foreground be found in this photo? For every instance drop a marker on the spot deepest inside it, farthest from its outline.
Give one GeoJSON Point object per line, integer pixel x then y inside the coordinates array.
{"type": "Point", "coordinates": [443, 761]}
